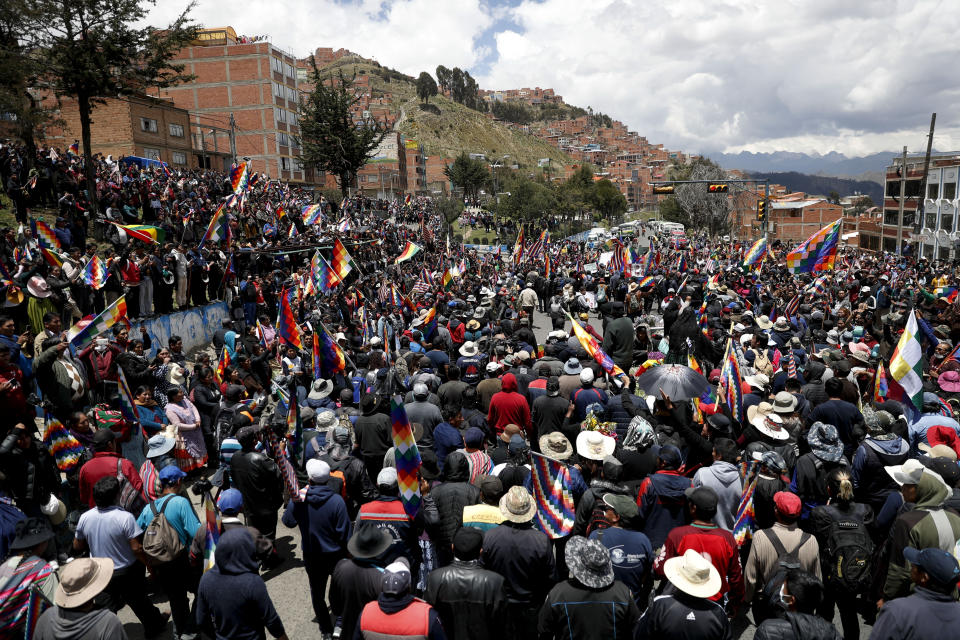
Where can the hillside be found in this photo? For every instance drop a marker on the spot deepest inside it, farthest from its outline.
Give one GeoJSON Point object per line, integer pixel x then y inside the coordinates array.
{"type": "Point", "coordinates": [823, 185]}
{"type": "Point", "coordinates": [444, 127]}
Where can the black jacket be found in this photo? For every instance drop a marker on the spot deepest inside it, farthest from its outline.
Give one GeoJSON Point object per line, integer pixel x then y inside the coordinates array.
{"type": "Point", "coordinates": [590, 497]}
{"type": "Point", "coordinates": [353, 584]}
{"type": "Point", "coordinates": [683, 617]}
{"type": "Point", "coordinates": [796, 626]}
{"type": "Point", "coordinates": [373, 434]}
{"type": "Point", "coordinates": [524, 557]}
{"type": "Point", "coordinates": [258, 479]}
{"type": "Point", "coordinates": [469, 599]}
{"type": "Point", "coordinates": [599, 613]}
{"type": "Point", "coordinates": [925, 614]}
{"type": "Point", "coordinates": [450, 497]}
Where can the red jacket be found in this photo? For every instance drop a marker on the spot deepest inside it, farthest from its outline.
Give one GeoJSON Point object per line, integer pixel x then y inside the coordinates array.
{"type": "Point", "coordinates": [509, 407]}
{"type": "Point", "coordinates": [715, 544]}
{"type": "Point", "coordinates": [104, 464]}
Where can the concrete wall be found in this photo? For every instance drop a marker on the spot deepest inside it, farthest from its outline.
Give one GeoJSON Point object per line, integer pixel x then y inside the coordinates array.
{"type": "Point", "coordinates": [196, 326]}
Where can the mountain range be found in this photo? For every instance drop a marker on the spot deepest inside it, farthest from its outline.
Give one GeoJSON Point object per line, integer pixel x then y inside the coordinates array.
{"type": "Point", "coordinates": [829, 164]}
{"type": "Point", "coordinates": [823, 185]}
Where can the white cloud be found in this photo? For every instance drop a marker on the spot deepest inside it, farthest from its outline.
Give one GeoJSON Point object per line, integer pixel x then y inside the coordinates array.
{"type": "Point", "coordinates": [803, 75]}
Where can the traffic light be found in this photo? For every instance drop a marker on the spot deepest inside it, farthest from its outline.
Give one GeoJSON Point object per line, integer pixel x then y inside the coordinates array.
{"type": "Point", "coordinates": [660, 189]}
{"type": "Point", "coordinates": [718, 188]}
{"type": "Point", "coordinates": [761, 210]}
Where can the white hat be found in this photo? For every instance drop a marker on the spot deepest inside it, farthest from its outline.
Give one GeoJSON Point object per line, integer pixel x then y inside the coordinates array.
{"type": "Point", "coordinates": [746, 338]}
{"type": "Point", "coordinates": [693, 574]}
{"type": "Point", "coordinates": [469, 348]}
{"type": "Point", "coordinates": [907, 473]}
{"type": "Point", "coordinates": [387, 476]}
{"type": "Point", "coordinates": [586, 376]}
{"type": "Point", "coordinates": [493, 367]}
{"type": "Point", "coordinates": [758, 380]}
{"type": "Point", "coordinates": [593, 445]}
{"type": "Point", "coordinates": [320, 389]}
{"type": "Point", "coordinates": [317, 470]}
{"type": "Point", "coordinates": [764, 322]}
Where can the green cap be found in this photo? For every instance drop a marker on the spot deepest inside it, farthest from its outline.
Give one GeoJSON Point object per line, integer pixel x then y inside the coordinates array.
{"type": "Point", "coordinates": [623, 505]}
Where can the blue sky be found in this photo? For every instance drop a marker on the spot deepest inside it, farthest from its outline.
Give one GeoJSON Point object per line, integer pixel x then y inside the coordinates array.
{"type": "Point", "coordinates": [852, 76]}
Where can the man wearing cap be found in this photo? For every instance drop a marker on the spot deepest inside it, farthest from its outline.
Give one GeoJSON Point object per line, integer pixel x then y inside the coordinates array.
{"type": "Point", "coordinates": [396, 613]}
{"type": "Point", "coordinates": [387, 512]}
{"type": "Point", "coordinates": [174, 576]}
{"type": "Point", "coordinates": [230, 505]}
{"type": "Point", "coordinates": [469, 599]}
{"type": "Point", "coordinates": [881, 448]}
{"type": "Point", "coordinates": [587, 395]}
{"type": "Point", "coordinates": [74, 615]}
{"type": "Point", "coordinates": [105, 462]}
{"type": "Point", "coordinates": [927, 525]}
{"type": "Point", "coordinates": [783, 541]}
{"type": "Point", "coordinates": [424, 412]}
{"type": "Point", "coordinates": [706, 538]}
{"type": "Point", "coordinates": [356, 580]}
{"type": "Point", "coordinates": [618, 337]}
{"type": "Point", "coordinates": [686, 610]}
{"type": "Point", "coordinates": [524, 556]}
{"type": "Point", "coordinates": [592, 603]}
{"type": "Point", "coordinates": [630, 551]}
{"type": "Point", "coordinates": [110, 532]}
{"type": "Point", "coordinates": [843, 415]}
{"type": "Point", "coordinates": [258, 479]}
{"type": "Point", "coordinates": [931, 611]}
{"type": "Point", "coordinates": [490, 386]}
{"type": "Point", "coordinates": [662, 499]}
{"type": "Point", "coordinates": [324, 529]}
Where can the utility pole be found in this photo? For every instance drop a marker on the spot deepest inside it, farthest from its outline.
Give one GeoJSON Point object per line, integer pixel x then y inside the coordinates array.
{"type": "Point", "coordinates": [922, 205]}
{"type": "Point", "coordinates": [233, 138]}
{"type": "Point", "coordinates": [903, 191]}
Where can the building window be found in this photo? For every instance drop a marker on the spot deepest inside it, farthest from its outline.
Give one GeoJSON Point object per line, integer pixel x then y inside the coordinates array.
{"type": "Point", "coordinates": [153, 154]}
{"type": "Point", "coordinates": [946, 222]}
{"type": "Point", "coordinates": [148, 124]}
{"type": "Point", "coordinates": [291, 94]}
{"type": "Point", "coordinates": [176, 130]}
{"type": "Point", "coordinates": [890, 216]}
{"type": "Point", "coordinates": [890, 244]}
{"type": "Point", "coordinates": [913, 189]}
{"type": "Point", "coordinates": [931, 219]}
{"type": "Point", "coordinates": [932, 190]}
{"type": "Point", "coordinates": [950, 190]}
{"type": "Point", "coordinates": [179, 157]}
{"type": "Point", "coordinates": [279, 114]}
{"type": "Point", "coordinates": [278, 90]}
{"type": "Point", "coordinates": [301, 74]}
{"type": "Point", "coordinates": [283, 139]}
{"type": "Point", "coordinates": [908, 218]}
{"type": "Point", "coordinates": [284, 164]}
{"type": "Point", "coordinates": [276, 64]}
{"type": "Point", "coordinates": [289, 71]}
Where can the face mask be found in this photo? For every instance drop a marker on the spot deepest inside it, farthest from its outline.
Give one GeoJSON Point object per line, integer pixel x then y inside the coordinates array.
{"type": "Point", "coordinates": [784, 596]}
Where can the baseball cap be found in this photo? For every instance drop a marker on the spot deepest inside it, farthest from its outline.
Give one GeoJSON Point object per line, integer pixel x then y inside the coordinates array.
{"type": "Point", "coordinates": [396, 579]}
{"type": "Point", "coordinates": [936, 563]}
{"type": "Point", "coordinates": [787, 503]}
{"type": "Point", "coordinates": [317, 470]}
{"type": "Point", "coordinates": [623, 505]}
{"type": "Point", "coordinates": [387, 476]}
{"type": "Point", "coordinates": [230, 502]}
{"type": "Point", "coordinates": [670, 456]}
{"type": "Point", "coordinates": [473, 437]}
{"type": "Point", "coordinates": [171, 474]}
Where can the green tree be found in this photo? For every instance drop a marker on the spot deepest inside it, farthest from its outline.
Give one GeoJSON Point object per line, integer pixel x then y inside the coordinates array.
{"type": "Point", "coordinates": [833, 197]}
{"type": "Point", "coordinates": [449, 208]}
{"type": "Point", "coordinates": [528, 200]}
{"type": "Point", "coordinates": [468, 174]}
{"type": "Point", "coordinates": [93, 50]}
{"type": "Point", "coordinates": [443, 77]}
{"type": "Point", "coordinates": [331, 138]}
{"type": "Point", "coordinates": [426, 87]}
{"type": "Point", "coordinates": [608, 200]}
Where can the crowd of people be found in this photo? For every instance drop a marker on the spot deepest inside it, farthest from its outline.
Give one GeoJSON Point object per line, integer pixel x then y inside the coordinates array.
{"type": "Point", "coordinates": [806, 492]}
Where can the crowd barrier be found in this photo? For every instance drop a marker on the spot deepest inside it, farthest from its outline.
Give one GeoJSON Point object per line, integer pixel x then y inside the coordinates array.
{"type": "Point", "coordinates": [196, 326]}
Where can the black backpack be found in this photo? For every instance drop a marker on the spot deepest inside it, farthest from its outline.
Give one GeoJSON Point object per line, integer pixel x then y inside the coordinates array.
{"type": "Point", "coordinates": [786, 561]}
{"type": "Point", "coordinates": [847, 552]}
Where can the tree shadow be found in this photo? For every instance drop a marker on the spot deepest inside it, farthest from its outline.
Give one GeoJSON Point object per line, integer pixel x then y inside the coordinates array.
{"type": "Point", "coordinates": [430, 108]}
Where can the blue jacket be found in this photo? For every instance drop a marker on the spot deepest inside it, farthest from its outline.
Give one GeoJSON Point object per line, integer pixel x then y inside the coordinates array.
{"type": "Point", "coordinates": [663, 504]}
{"type": "Point", "coordinates": [918, 430]}
{"type": "Point", "coordinates": [925, 614]}
{"type": "Point", "coordinates": [323, 520]}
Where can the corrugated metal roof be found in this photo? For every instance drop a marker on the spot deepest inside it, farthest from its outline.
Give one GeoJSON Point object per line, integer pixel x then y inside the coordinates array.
{"type": "Point", "coordinates": [796, 204]}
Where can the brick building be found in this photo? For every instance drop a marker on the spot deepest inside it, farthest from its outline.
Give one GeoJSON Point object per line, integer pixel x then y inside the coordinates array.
{"type": "Point", "coordinates": [385, 174]}
{"type": "Point", "coordinates": [256, 83]}
{"type": "Point", "coordinates": [132, 126]}
{"type": "Point", "coordinates": [938, 236]}
{"type": "Point", "coordinates": [795, 221]}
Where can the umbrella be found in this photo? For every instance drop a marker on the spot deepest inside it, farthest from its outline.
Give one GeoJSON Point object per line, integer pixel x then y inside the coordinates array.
{"type": "Point", "coordinates": [677, 381]}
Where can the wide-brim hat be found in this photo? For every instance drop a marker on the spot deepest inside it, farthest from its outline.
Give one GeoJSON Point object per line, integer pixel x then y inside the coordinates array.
{"type": "Point", "coordinates": [30, 533]}
{"type": "Point", "coordinates": [758, 380]}
{"type": "Point", "coordinates": [763, 322]}
{"type": "Point", "coordinates": [693, 574]}
{"type": "Point", "coordinates": [479, 313]}
{"type": "Point", "coordinates": [949, 381]}
{"type": "Point", "coordinates": [825, 442]}
{"type": "Point", "coordinates": [469, 348]}
{"type": "Point", "coordinates": [784, 402]}
{"type": "Point", "coordinates": [781, 325]}
{"type": "Point", "coordinates": [81, 580]}
{"type": "Point", "coordinates": [369, 541]}
{"type": "Point", "coordinates": [572, 367]}
{"type": "Point", "coordinates": [320, 389]}
{"type": "Point", "coordinates": [593, 445]}
{"type": "Point", "coordinates": [517, 505]}
{"type": "Point", "coordinates": [159, 444]}
{"type": "Point", "coordinates": [589, 562]}
{"type": "Point", "coordinates": [38, 287]}
{"type": "Point", "coordinates": [472, 325]}
{"type": "Point", "coordinates": [555, 445]}
{"type": "Point", "coordinates": [633, 287]}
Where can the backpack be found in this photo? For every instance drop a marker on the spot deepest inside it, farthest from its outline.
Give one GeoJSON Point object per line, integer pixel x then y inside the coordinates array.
{"type": "Point", "coordinates": [786, 561]}
{"type": "Point", "coordinates": [161, 542]}
{"type": "Point", "coordinates": [762, 362]}
{"type": "Point", "coordinates": [223, 427]}
{"type": "Point", "coordinates": [847, 552]}
{"type": "Point", "coordinates": [130, 499]}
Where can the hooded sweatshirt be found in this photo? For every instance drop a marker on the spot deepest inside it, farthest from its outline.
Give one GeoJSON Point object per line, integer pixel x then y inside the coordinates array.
{"type": "Point", "coordinates": [918, 529]}
{"type": "Point", "coordinates": [509, 407]}
{"type": "Point", "coordinates": [724, 478]}
{"type": "Point", "coordinates": [233, 594]}
{"type": "Point", "coordinates": [69, 624]}
{"type": "Point", "coordinates": [323, 521]}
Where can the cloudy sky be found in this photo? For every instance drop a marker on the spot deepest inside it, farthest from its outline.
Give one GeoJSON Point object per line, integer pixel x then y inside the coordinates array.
{"type": "Point", "coordinates": [854, 76]}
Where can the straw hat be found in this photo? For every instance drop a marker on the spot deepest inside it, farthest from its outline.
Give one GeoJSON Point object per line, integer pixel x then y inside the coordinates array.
{"type": "Point", "coordinates": [81, 580]}
{"type": "Point", "coordinates": [517, 505]}
{"type": "Point", "coordinates": [593, 445]}
{"type": "Point", "coordinates": [693, 574]}
{"type": "Point", "coordinates": [556, 445]}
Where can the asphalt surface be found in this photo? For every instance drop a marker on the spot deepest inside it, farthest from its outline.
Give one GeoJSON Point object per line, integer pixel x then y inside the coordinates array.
{"type": "Point", "coordinates": [289, 589]}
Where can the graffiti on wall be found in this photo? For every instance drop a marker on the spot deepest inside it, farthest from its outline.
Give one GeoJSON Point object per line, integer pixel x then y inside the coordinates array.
{"type": "Point", "coordinates": [196, 326]}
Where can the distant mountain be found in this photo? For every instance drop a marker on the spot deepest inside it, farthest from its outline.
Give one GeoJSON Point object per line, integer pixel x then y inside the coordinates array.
{"type": "Point", "coordinates": [823, 185]}
{"type": "Point", "coordinates": [830, 164]}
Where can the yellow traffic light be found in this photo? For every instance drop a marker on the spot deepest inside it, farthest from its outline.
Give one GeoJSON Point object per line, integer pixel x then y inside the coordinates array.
{"type": "Point", "coordinates": [761, 209]}
{"type": "Point", "coordinates": [662, 188]}
{"type": "Point", "coordinates": [718, 188]}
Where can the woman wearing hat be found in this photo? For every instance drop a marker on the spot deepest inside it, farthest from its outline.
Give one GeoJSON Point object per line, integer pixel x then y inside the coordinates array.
{"type": "Point", "coordinates": [24, 570]}
{"type": "Point", "coordinates": [190, 452]}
